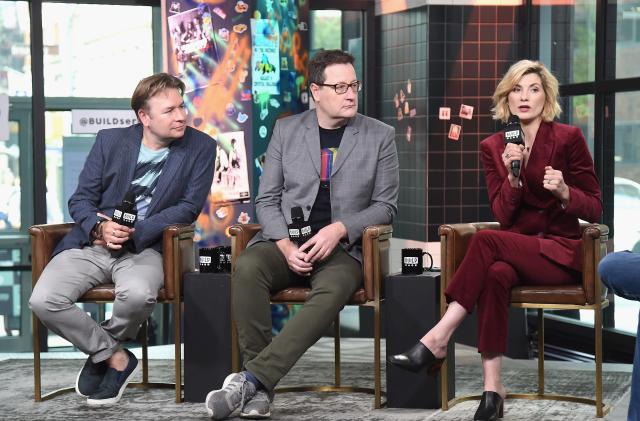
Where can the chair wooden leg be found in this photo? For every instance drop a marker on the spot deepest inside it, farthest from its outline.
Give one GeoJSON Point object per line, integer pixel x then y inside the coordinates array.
{"type": "Point", "coordinates": [336, 348]}
{"type": "Point", "coordinates": [540, 352]}
{"type": "Point", "coordinates": [598, 351]}
{"type": "Point", "coordinates": [37, 385]}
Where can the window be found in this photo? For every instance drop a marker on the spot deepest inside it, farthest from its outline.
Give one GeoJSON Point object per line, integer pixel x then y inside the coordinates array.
{"type": "Point", "coordinates": [66, 154]}
{"type": "Point", "coordinates": [627, 172]}
{"type": "Point", "coordinates": [627, 38]}
{"type": "Point", "coordinates": [15, 48]}
{"type": "Point", "coordinates": [10, 195]}
{"type": "Point", "coordinates": [95, 50]}
{"type": "Point", "coordinates": [326, 31]}
{"type": "Point", "coordinates": [626, 195]}
{"type": "Point", "coordinates": [579, 111]}
{"type": "Point", "coordinates": [568, 40]}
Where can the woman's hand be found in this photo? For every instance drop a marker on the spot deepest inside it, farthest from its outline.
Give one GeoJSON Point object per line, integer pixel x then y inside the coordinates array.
{"type": "Point", "coordinates": [513, 152]}
{"type": "Point", "coordinates": [554, 182]}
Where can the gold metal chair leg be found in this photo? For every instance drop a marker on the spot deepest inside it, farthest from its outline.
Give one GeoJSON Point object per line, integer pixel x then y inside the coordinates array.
{"type": "Point", "coordinates": [177, 319]}
{"type": "Point", "coordinates": [145, 352]}
{"type": "Point", "coordinates": [598, 343]}
{"type": "Point", "coordinates": [377, 333]}
{"type": "Point", "coordinates": [540, 351]}
{"type": "Point", "coordinates": [36, 360]}
{"type": "Point", "coordinates": [336, 348]}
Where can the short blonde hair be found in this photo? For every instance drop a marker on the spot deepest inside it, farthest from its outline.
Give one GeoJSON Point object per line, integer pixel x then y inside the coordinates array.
{"type": "Point", "coordinates": [551, 107]}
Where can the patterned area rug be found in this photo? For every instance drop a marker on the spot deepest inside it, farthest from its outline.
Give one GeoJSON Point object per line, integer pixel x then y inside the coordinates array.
{"type": "Point", "coordinates": [16, 395]}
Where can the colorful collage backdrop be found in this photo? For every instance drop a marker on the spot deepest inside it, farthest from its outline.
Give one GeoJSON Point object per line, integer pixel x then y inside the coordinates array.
{"type": "Point", "coordinates": [244, 65]}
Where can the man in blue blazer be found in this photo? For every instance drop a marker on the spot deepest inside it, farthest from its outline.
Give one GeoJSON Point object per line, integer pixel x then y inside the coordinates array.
{"type": "Point", "coordinates": [168, 167]}
{"type": "Point", "coordinates": [340, 169]}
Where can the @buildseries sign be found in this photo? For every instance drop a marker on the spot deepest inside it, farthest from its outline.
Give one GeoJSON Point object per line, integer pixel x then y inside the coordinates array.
{"type": "Point", "coordinates": [92, 121]}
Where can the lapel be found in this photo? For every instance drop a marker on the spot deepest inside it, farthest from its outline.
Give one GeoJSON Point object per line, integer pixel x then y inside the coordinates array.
{"type": "Point", "coordinates": [130, 152]}
{"type": "Point", "coordinates": [177, 152]}
{"type": "Point", "coordinates": [348, 142]}
{"type": "Point", "coordinates": [312, 139]}
{"type": "Point", "coordinates": [540, 156]}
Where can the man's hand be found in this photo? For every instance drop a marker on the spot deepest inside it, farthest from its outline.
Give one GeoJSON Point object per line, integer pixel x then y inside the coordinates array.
{"type": "Point", "coordinates": [320, 246]}
{"type": "Point", "coordinates": [113, 234]}
{"type": "Point", "coordinates": [295, 258]}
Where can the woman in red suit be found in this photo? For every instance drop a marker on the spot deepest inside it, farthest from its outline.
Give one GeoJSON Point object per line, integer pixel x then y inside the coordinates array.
{"type": "Point", "coordinates": [538, 210]}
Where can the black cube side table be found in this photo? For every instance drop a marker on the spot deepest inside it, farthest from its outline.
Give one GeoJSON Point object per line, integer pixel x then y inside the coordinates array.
{"type": "Point", "coordinates": [412, 308]}
{"type": "Point", "coordinates": [207, 333]}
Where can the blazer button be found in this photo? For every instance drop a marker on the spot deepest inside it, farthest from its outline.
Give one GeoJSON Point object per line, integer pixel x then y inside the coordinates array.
{"type": "Point", "coordinates": [308, 207]}
{"type": "Point", "coordinates": [541, 211]}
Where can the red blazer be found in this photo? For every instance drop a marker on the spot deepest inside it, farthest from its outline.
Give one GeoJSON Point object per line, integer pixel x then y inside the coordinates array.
{"type": "Point", "coordinates": [533, 210]}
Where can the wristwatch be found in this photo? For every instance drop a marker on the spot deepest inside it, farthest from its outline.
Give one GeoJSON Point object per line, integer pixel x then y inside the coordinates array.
{"type": "Point", "coordinates": [97, 234]}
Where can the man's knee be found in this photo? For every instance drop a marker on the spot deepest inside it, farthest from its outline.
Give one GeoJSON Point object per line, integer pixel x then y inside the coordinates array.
{"type": "Point", "coordinates": [38, 303]}
{"type": "Point", "coordinates": [137, 297]}
{"type": "Point", "coordinates": [248, 269]}
{"type": "Point", "coordinates": [613, 266]}
{"type": "Point", "coordinates": [44, 301]}
{"type": "Point", "coordinates": [340, 287]}
{"type": "Point", "coordinates": [617, 271]}
{"type": "Point", "coordinates": [606, 267]}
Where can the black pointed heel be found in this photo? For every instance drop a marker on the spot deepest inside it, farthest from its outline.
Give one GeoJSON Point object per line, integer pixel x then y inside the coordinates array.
{"type": "Point", "coordinates": [417, 357]}
{"type": "Point", "coordinates": [491, 407]}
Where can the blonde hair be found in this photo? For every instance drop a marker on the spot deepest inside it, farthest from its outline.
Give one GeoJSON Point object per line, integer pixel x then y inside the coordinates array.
{"type": "Point", "coordinates": [551, 107]}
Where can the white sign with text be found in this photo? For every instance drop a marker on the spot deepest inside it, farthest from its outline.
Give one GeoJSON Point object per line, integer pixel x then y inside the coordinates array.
{"type": "Point", "coordinates": [91, 121]}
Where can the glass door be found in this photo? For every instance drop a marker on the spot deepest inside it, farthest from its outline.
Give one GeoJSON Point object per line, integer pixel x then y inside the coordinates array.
{"type": "Point", "coordinates": [15, 219]}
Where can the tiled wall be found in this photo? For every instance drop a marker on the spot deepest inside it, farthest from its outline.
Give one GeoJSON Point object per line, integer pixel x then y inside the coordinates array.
{"type": "Point", "coordinates": [453, 56]}
{"type": "Point", "coordinates": [402, 56]}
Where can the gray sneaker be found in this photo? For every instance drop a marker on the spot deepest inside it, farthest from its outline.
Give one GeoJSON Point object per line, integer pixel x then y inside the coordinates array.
{"type": "Point", "coordinates": [258, 407]}
{"type": "Point", "coordinates": [236, 390]}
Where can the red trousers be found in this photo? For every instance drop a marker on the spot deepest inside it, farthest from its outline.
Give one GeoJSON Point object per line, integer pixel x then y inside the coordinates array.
{"type": "Point", "coordinates": [495, 262]}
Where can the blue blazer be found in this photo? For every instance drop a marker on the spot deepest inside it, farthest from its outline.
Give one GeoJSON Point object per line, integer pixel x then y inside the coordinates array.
{"type": "Point", "coordinates": [182, 187]}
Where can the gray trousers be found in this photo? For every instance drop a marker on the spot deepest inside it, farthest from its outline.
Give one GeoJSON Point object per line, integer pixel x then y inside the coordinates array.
{"type": "Point", "coordinates": [262, 269]}
{"type": "Point", "coordinates": [71, 273]}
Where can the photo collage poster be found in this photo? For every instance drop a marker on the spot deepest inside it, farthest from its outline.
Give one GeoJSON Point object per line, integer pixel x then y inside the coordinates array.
{"type": "Point", "coordinates": [279, 75]}
{"type": "Point", "coordinates": [207, 44]}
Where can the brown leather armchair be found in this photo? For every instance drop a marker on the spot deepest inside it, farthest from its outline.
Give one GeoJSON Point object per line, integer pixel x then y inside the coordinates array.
{"type": "Point", "coordinates": [588, 295]}
{"type": "Point", "coordinates": [375, 250]}
{"type": "Point", "coordinates": [178, 258]}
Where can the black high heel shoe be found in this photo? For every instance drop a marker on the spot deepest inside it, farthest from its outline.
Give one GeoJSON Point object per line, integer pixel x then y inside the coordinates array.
{"type": "Point", "coordinates": [491, 407]}
{"type": "Point", "coordinates": [417, 357]}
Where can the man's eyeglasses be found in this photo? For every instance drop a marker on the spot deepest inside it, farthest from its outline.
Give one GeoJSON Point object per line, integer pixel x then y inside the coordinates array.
{"type": "Point", "coordinates": [341, 88]}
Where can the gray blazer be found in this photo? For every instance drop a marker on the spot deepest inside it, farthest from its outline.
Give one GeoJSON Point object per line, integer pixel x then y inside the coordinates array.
{"type": "Point", "coordinates": [364, 179]}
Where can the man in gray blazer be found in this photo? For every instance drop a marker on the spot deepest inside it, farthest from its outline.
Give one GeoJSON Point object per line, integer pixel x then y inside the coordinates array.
{"type": "Point", "coordinates": [341, 168]}
{"type": "Point", "coordinates": [168, 167]}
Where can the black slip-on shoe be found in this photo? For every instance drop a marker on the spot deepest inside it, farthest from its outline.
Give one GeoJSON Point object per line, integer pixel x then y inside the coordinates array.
{"type": "Point", "coordinates": [90, 377]}
{"type": "Point", "coordinates": [114, 382]}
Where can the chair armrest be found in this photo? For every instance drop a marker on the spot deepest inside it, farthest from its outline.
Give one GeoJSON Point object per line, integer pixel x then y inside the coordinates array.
{"type": "Point", "coordinates": [178, 257]}
{"type": "Point", "coordinates": [240, 236]}
{"type": "Point", "coordinates": [44, 239]}
{"type": "Point", "coordinates": [454, 241]}
{"type": "Point", "coordinates": [375, 258]}
{"type": "Point", "coordinates": [594, 248]}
